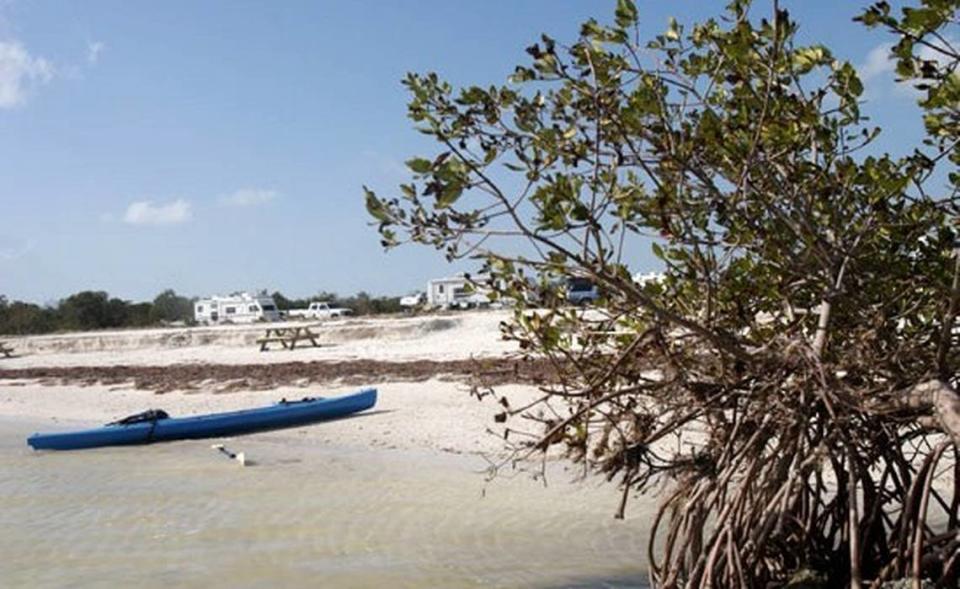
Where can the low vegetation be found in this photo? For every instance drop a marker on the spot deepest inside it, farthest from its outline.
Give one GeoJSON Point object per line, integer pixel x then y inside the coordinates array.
{"type": "Point", "coordinates": [360, 303]}
{"type": "Point", "coordinates": [89, 310]}
{"type": "Point", "coordinates": [92, 310]}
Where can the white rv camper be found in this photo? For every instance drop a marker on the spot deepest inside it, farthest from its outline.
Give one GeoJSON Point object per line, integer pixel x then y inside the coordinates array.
{"type": "Point", "coordinates": [236, 308]}
{"type": "Point", "coordinates": [455, 292]}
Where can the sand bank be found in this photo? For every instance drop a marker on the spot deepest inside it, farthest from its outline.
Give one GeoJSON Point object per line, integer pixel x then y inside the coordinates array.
{"type": "Point", "coordinates": [419, 364]}
{"type": "Point", "coordinates": [434, 337]}
{"type": "Point", "coordinates": [433, 415]}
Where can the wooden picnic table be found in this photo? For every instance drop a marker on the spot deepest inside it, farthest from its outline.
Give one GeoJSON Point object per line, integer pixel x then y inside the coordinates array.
{"type": "Point", "coordinates": [288, 336]}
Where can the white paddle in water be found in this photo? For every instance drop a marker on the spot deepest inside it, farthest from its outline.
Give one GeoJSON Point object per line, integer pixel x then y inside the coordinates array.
{"type": "Point", "coordinates": [239, 457]}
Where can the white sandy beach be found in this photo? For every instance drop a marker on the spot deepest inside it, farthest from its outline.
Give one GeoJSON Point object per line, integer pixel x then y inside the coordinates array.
{"type": "Point", "coordinates": [428, 337]}
{"type": "Point", "coordinates": [393, 496]}
{"type": "Point", "coordinates": [436, 415]}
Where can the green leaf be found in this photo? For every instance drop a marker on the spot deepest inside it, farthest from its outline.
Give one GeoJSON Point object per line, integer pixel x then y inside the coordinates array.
{"type": "Point", "coordinates": [848, 82]}
{"type": "Point", "coordinates": [449, 195]}
{"type": "Point", "coordinates": [920, 20]}
{"type": "Point", "coordinates": [523, 74]}
{"type": "Point", "coordinates": [673, 30]}
{"type": "Point", "coordinates": [626, 14]}
{"type": "Point", "coordinates": [419, 165]}
{"type": "Point", "coordinates": [807, 58]}
{"type": "Point", "coordinates": [375, 206]}
{"type": "Point", "coordinates": [658, 251]}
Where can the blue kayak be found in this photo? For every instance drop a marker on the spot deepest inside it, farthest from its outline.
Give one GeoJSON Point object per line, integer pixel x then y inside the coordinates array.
{"type": "Point", "coordinates": [156, 426]}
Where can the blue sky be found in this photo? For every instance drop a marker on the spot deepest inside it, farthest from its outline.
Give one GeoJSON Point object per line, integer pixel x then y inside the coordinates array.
{"type": "Point", "coordinates": [218, 146]}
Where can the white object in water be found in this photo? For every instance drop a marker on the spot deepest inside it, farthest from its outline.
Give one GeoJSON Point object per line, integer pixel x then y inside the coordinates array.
{"type": "Point", "coordinates": [239, 456]}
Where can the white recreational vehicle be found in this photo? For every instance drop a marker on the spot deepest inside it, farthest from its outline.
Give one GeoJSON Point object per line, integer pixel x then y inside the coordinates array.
{"type": "Point", "coordinates": [236, 308]}
{"type": "Point", "coordinates": [455, 292]}
{"type": "Point", "coordinates": [442, 292]}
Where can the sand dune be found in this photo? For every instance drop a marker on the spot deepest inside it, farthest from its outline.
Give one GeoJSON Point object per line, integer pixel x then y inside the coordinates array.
{"type": "Point", "coordinates": [432, 337]}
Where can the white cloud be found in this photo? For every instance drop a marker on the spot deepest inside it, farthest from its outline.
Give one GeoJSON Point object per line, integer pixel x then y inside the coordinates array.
{"type": "Point", "coordinates": [248, 197]}
{"type": "Point", "coordinates": [94, 49]}
{"type": "Point", "coordinates": [878, 71]}
{"type": "Point", "coordinates": [11, 249]}
{"type": "Point", "coordinates": [18, 71]}
{"type": "Point", "coordinates": [878, 63]}
{"type": "Point", "coordinates": [144, 212]}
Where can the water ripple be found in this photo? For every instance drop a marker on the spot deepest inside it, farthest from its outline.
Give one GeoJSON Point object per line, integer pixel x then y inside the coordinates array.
{"type": "Point", "coordinates": [181, 515]}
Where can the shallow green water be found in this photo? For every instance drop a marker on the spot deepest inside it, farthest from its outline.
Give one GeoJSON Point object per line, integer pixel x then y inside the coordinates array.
{"type": "Point", "coordinates": [181, 515]}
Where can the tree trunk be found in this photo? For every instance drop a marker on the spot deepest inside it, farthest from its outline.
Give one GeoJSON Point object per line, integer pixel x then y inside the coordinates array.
{"type": "Point", "coordinates": [944, 402]}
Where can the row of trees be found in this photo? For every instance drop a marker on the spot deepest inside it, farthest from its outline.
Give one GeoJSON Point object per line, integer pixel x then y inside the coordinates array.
{"type": "Point", "coordinates": [90, 310]}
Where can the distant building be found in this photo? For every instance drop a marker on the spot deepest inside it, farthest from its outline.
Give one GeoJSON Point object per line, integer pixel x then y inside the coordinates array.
{"type": "Point", "coordinates": [241, 307]}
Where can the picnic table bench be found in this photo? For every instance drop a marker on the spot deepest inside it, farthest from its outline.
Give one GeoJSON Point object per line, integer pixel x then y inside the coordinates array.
{"type": "Point", "coordinates": [288, 336]}
{"type": "Point", "coordinates": [6, 350]}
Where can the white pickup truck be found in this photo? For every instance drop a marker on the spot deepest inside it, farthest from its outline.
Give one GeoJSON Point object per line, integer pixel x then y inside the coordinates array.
{"type": "Point", "coordinates": [413, 301]}
{"type": "Point", "coordinates": [319, 311]}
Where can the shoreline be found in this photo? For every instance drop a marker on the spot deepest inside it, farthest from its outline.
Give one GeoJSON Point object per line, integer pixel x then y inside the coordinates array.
{"type": "Point", "coordinates": [366, 516]}
{"type": "Point", "coordinates": [433, 415]}
{"type": "Point", "coordinates": [423, 367]}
